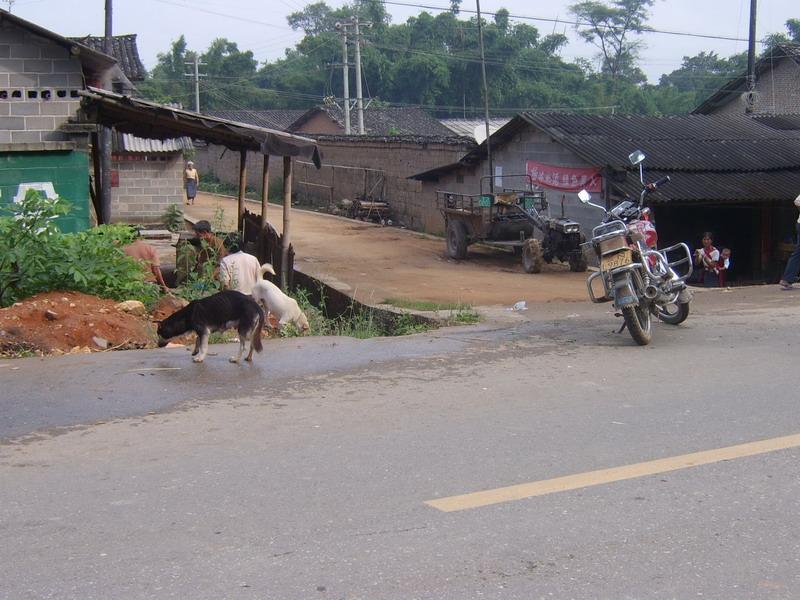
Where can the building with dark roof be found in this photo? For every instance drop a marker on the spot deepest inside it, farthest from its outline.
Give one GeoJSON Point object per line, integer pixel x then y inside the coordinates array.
{"type": "Point", "coordinates": [777, 87]}
{"type": "Point", "coordinates": [280, 119]}
{"type": "Point", "coordinates": [378, 121]}
{"type": "Point", "coordinates": [731, 174]}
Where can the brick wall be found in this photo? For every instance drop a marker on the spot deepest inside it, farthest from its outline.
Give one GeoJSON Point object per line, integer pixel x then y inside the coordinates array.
{"type": "Point", "coordinates": [778, 92]}
{"type": "Point", "coordinates": [148, 184]}
{"type": "Point", "coordinates": [350, 166]}
{"type": "Point", "coordinates": [39, 83]}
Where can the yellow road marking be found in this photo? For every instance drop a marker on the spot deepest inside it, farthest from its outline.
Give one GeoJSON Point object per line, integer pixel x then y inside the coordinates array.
{"type": "Point", "coordinates": [581, 480]}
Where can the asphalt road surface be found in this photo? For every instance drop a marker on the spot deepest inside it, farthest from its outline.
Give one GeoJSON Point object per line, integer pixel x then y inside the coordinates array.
{"type": "Point", "coordinates": [540, 455]}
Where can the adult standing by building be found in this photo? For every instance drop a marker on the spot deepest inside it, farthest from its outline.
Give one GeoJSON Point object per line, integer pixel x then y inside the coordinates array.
{"type": "Point", "coordinates": [706, 258]}
{"type": "Point", "coordinates": [239, 270]}
{"type": "Point", "coordinates": [793, 266]}
{"type": "Point", "coordinates": [191, 179]}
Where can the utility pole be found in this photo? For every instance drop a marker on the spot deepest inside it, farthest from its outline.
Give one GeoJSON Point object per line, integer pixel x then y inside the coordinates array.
{"type": "Point", "coordinates": [342, 27]}
{"type": "Point", "coordinates": [486, 100]}
{"type": "Point", "coordinates": [751, 58]}
{"type": "Point", "coordinates": [359, 97]}
{"type": "Point", "coordinates": [105, 132]}
{"type": "Point", "coordinates": [196, 76]}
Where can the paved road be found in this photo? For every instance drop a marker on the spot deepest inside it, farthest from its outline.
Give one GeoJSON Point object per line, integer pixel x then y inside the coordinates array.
{"type": "Point", "coordinates": [327, 471]}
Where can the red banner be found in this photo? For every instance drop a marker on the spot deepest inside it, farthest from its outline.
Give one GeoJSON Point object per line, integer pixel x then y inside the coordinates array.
{"type": "Point", "coordinates": [566, 179]}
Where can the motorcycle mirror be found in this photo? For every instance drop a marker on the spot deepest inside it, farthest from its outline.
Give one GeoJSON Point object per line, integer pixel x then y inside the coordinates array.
{"type": "Point", "coordinates": [636, 157]}
{"type": "Point", "coordinates": [584, 196]}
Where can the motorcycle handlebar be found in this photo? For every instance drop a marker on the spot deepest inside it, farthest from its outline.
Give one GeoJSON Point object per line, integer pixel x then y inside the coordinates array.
{"type": "Point", "coordinates": [657, 184]}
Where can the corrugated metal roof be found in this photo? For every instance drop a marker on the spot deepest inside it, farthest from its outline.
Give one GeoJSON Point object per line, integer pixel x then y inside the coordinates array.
{"type": "Point", "coordinates": [126, 142]}
{"type": "Point", "coordinates": [711, 158]}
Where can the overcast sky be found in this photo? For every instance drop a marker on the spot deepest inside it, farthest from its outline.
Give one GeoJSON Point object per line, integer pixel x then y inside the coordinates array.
{"type": "Point", "coordinates": [260, 25]}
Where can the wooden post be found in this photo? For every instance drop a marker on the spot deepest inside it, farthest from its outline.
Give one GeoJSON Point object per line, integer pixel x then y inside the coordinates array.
{"type": "Point", "coordinates": [242, 187]}
{"type": "Point", "coordinates": [264, 191]}
{"type": "Point", "coordinates": [287, 215]}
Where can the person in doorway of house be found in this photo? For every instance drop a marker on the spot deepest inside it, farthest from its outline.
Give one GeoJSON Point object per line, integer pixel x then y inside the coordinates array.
{"type": "Point", "coordinates": [706, 259]}
{"type": "Point", "coordinates": [239, 270]}
{"type": "Point", "coordinates": [723, 265]}
{"type": "Point", "coordinates": [211, 251]}
{"type": "Point", "coordinates": [148, 256]}
{"type": "Point", "coordinates": [793, 266]}
{"type": "Point", "coordinates": [191, 179]}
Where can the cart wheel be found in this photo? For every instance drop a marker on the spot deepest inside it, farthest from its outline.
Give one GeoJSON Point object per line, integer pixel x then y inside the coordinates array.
{"type": "Point", "coordinates": [456, 240]}
{"type": "Point", "coordinates": [532, 260]}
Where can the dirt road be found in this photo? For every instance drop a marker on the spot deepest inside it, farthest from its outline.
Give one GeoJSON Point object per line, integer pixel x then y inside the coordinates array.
{"type": "Point", "coordinates": [374, 263]}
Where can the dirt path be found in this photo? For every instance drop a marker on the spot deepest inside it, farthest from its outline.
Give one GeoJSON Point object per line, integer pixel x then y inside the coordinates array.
{"type": "Point", "coordinates": [375, 263]}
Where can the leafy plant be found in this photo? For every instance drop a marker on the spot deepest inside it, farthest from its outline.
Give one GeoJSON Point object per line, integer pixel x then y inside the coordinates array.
{"type": "Point", "coordinates": [35, 256]}
{"type": "Point", "coordinates": [173, 218]}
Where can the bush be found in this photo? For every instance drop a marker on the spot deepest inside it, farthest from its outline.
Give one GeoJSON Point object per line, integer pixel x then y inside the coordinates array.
{"type": "Point", "coordinates": [36, 257]}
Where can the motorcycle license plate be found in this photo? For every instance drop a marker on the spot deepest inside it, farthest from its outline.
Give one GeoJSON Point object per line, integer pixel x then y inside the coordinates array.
{"type": "Point", "coordinates": [618, 259]}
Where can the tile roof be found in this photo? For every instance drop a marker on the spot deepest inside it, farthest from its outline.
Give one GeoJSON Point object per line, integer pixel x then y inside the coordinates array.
{"type": "Point", "coordinates": [123, 48]}
{"type": "Point", "coordinates": [390, 121]}
{"type": "Point", "coordinates": [279, 119]}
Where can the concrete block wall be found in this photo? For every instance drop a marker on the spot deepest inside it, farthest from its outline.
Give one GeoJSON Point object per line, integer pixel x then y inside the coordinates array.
{"type": "Point", "coordinates": [39, 84]}
{"type": "Point", "coordinates": [148, 184]}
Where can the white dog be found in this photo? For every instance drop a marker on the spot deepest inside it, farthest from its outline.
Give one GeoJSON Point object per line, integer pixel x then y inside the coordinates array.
{"type": "Point", "coordinates": [281, 306]}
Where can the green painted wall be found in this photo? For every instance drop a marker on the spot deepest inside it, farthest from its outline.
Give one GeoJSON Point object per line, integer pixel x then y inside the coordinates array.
{"type": "Point", "coordinates": [68, 171]}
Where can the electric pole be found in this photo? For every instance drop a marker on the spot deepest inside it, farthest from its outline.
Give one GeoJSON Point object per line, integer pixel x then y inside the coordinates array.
{"type": "Point", "coordinates": [359, 97]}
{"type": "Point", "coordinates": [196, 76]}
{"type": "Point", "coordinates": [751, 59]}
{"type": "Point", "coordinates": [105, 132]}
{"type": "Point", "coordinates": [342, 27]}
{"type": "Point", "coordinates": [486, 100]}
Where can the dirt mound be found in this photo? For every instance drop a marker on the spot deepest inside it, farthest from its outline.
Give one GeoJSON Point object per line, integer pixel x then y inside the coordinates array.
{"type": "Point", "coordinates": [69, 322]}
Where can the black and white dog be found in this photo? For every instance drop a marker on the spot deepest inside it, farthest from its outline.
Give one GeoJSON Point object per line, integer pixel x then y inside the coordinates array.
{"type": "Point", "coordinates": [223, 310]}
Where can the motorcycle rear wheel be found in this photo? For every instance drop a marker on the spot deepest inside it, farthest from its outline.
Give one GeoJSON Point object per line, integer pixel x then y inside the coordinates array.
{"type": "Point", "coordinates": [637, 319]}
{"type": "Point", "coordinates": [673, 314]}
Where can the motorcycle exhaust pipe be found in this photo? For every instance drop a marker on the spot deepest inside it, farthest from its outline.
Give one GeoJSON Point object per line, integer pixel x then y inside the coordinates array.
{"type": "Point", "coordinates": [650, 292]}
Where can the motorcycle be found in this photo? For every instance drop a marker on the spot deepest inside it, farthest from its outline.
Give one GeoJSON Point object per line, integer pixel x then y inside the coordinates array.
{"type": "Point", "coordinates": [638, 278]}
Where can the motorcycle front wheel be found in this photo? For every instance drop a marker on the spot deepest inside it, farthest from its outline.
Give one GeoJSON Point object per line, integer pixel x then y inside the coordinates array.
{"type": "Point", "coordinates": [637, 319]}
{"type": "Point", "coordinates": [673, 314]}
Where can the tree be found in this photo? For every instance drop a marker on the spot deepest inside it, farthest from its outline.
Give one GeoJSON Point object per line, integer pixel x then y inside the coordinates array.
{"type": "Point", "coordinates": [611, 27]}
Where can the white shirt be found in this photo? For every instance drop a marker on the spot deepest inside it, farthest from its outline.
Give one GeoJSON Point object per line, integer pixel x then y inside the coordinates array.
{"type": "Point", "coordinates": [797, 204]}
{"type": "Point", "coordinates": [239, 271]}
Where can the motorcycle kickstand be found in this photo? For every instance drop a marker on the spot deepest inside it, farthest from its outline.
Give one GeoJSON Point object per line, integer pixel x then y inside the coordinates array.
{"type": "Point", "coordinates": [621, 329]}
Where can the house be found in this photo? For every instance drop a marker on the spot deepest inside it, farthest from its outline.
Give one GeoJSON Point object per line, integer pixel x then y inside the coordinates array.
{"type": "Point", "coordinates": [41, 77]}
{"type": "Point", "coordinates": [146, 174]}
{"type": "Point", "coordinates": [375, 166]}
{"type": "Point", "coordinates": [731, 174]}
{"type": "Point", "coordinates": [378, 121]}
{"type": "Point", "coordinates": [280, 119]}
{"type": "Point", "coordinates": [777, 87]}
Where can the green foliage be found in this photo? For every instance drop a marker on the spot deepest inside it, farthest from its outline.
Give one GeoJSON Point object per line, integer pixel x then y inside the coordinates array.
{"type": "Point", "coordinates": [194, 284]}
{"type": "Point", "coordinates": [173, 218]}
{"type": "Point", "coordinates": [35, 256]}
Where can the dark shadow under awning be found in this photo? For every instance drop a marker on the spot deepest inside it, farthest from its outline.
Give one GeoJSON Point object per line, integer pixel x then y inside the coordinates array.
{"type": "Point", "coordinates": [157, 121]}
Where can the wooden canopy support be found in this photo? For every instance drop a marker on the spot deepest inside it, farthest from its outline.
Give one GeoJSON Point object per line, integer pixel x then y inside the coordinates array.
{"type": "Point", "coordinates": [287, 218]}
{"type": "Point", "coordinates": [242, 188]}
{"type": "Point", "coordinates": [264, 191]}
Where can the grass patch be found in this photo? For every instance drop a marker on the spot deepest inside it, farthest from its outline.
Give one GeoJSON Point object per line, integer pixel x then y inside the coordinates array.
{"type": "Point", "coordinates": [422, 305]}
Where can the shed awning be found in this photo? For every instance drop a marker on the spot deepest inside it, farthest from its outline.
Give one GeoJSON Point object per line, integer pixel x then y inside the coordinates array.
{"type": "Point", "coordinates": [152, 120]}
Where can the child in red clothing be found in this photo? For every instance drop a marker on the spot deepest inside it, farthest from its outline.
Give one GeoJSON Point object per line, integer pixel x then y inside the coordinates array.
{"type": "Point", "coordinates": [723, 265]}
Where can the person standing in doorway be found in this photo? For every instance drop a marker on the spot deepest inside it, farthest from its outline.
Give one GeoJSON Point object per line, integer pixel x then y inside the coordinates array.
{"type": "Point", "coordinates": [706, 258]}
{"type": "Point", "coordinates": [191, 179]}
{"type": "Point", "coordinates": [793, 266]}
